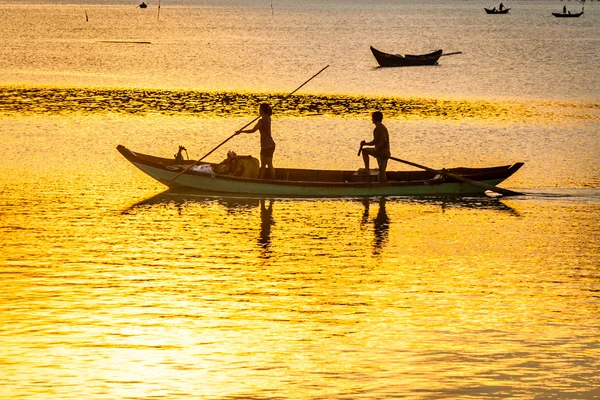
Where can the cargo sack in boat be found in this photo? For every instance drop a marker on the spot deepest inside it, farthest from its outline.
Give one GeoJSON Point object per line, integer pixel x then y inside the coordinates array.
{"type": "Point", "coordinates": [251, 166]}
{"type": "Point", "coordinates": [242, 166]}
{"type": "Point", "coordinates": [205, 169]}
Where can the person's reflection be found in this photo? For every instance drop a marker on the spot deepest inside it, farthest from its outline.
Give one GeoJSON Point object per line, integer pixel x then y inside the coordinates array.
{"type": "Point", "coordinates": [365, 217]}
{"type": "Point", "coordinates": [381, 224]}
{"type": "Point", "coordinates": [266, 221]}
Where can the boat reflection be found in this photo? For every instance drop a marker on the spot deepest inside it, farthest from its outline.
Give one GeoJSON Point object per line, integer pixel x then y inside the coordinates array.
{"type": "Point", "coordinates": [180, 198]}
{"type": "Point", "coordinates": [237, 204]}
{"type": "Point", "coordinates": [376, 226]}
{"type": "Point", "coordinates": [381, 222]}
{"type": "Point", "coordinates": [475, 203]}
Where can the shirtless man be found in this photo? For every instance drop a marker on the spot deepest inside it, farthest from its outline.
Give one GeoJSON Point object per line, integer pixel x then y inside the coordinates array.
{"type": "Point", "coordinates": [267, 144]}
{"type": "Point", "coordinates": [380, 149]}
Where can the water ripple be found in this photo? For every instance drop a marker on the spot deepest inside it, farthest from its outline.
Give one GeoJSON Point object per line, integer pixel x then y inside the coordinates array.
{"type": "Point", "coordinates": [65, 101]}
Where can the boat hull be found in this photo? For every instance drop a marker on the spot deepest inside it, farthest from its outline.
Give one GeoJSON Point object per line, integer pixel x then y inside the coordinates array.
{"type": "Point", "coordinates": [492, 11]}
{"type": "Point", "coordinates": [396, 60]}
{"type": "Point", "coordinates": [167, 173]}
{"type": "Point", "coordinates": [562, 15]}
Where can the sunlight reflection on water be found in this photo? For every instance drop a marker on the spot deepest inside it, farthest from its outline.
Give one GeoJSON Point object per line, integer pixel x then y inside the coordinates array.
{"type": "Point", "coordinates": [231, 297]}
{"type": "Point", "coordinates": [65, 101]}
{"type": "Point", "coordinates": [112, 288]}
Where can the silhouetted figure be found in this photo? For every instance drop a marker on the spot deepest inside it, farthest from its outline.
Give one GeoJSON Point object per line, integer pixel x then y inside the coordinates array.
{"type": "Point", "coordinates": [380, 149]}
{"type": "Point", "coordinates": [564, 9]}
{"type": "Point", "coordinates": [143, 5]}
{"type": "Point", "coordinates": [179, 156]}
{"type": "Point", "coordinates": [501, 7]}
{"type": "Point", "coordinates": [267, 144]}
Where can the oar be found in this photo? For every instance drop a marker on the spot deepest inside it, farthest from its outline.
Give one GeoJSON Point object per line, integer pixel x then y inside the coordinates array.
{"type": "Point", "coordinates": [451, 54]}
{"type": "Point", "coordinates": [482, 185]}
{"type": "Point", "coordinates": [245, 126]}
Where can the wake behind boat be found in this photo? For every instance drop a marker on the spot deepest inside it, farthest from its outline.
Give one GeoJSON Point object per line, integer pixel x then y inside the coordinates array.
{"type": "Point", "coordinates": [239, 176]}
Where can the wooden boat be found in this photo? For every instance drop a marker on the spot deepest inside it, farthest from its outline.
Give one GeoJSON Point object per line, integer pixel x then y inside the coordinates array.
{"type": "Point", "coordinates": [567, 15]}
{"type": "Point", "coordinates": [408, 60]}
{"type": "Point", "coordinates": [291, 182]}
{"type": "Point", "coordinates": [494, 11]}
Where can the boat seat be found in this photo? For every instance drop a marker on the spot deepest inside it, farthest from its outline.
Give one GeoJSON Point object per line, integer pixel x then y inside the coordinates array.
{"type": "Point", "coordinates": [361, 176]}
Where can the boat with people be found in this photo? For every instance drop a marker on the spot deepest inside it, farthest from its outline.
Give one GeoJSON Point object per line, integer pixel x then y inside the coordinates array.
{"type": "Point", "coordinates": [567, 14]}
{"type": "Point", "coordinates": [238, 175]}
{"type": "Point", "coordinates": [495, 11]}
{"type": "Point", "coordinates": [407, 60]}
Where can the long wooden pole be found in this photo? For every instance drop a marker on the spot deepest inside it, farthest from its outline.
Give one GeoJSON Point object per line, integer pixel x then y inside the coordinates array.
{"type": "Point", "coordinates": [226, 140]}
{"type": "Point", "coordinates": [482, 185]}
{"type": "Point", "coordinates": [451, 54]}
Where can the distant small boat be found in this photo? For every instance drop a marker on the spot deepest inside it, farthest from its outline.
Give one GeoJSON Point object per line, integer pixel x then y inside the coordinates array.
{"type": "Point", "coordinates": [143, 5]}
{"type": "Point", "coordinates": [408, 60]}
{"type": "Point", "coordinates": [494, 11]}
{"type": "Point", "coordinates": [567, 15]}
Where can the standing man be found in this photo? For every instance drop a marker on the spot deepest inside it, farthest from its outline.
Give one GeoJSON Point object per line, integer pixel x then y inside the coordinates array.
{"type": "Point", "coordinates": [381, 146]}
{"type": "Point", "coordinates": [267, 144]}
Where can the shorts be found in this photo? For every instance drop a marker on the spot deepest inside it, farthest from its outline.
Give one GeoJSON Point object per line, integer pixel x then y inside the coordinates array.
{"type": "Point", "coordinates": [382, 162]}
{"type": "Point", "coordinates": [267, 152]}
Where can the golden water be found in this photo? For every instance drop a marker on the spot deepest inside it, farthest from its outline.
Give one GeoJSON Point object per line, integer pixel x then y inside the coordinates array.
{"type": "Point", "coordinates": [114, 288]}
{"type": "Point", "coordinates": [189, 296]}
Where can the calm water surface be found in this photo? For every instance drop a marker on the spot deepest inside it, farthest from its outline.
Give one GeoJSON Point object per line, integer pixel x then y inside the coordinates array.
{"type": "Point", "coordinates": [113, 287]}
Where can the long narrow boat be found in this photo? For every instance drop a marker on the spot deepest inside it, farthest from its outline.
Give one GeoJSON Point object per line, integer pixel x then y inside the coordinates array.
{"type": "Point", "coordinates": [220, 179]}
{"type": "Point", "coordinates": [408, 60]}
{"type": "Point", "coordinates": [494, 11]}
{"type": "Point", "coordinates": [567, 15]}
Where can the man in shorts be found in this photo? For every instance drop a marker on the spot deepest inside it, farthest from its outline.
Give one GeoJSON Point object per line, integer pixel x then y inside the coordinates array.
{"type": "Point", "coordinates": [380, 149]}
